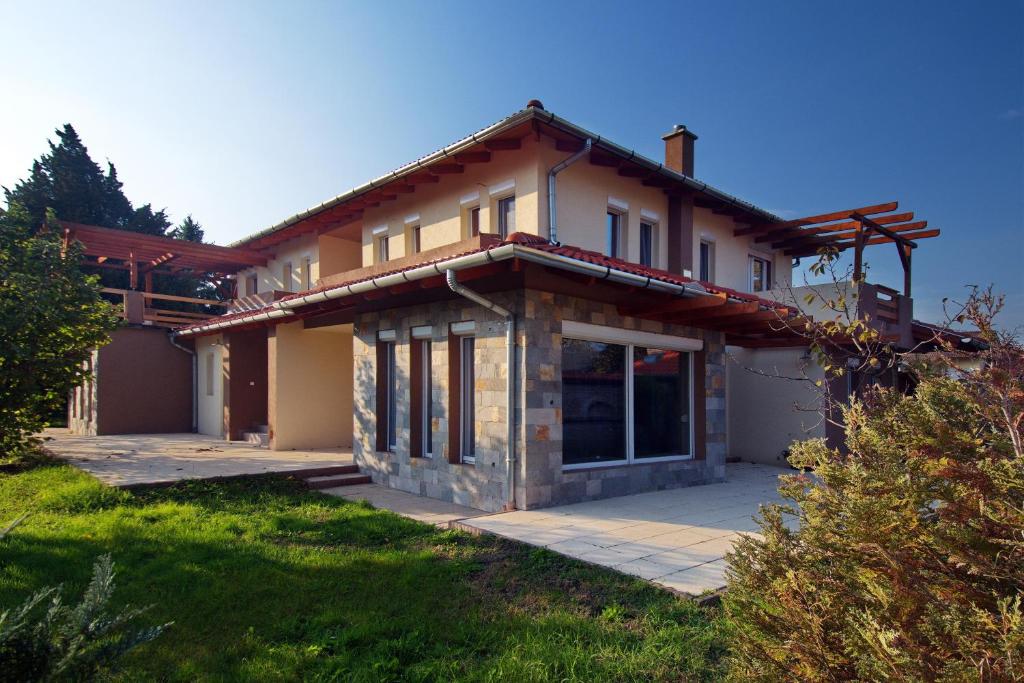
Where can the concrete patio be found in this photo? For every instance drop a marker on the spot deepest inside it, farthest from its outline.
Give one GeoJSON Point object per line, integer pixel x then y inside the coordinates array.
{"type": "Point", "coordinates": [676, 538]}
{"type": "Point", "coordinates": [149, 459]}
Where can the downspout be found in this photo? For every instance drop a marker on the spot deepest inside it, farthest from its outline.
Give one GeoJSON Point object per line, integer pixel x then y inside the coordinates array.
{"type": "Point", "coordinates": [552, 202]}
{"type": "Point", "coordinates": [195, 380]}
{"type": "Point", "coordinates": [510, 360]}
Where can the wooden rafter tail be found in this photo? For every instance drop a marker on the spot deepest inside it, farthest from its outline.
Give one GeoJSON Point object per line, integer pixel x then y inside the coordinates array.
{"type": "Point", "coordinates": [820, 218]}
{"type": "Point", "coordinates": [806, 242]}
{"type": "Point", "coordinates": [908, 238]}
{"type": "Point", "coordinates": [783, 234]}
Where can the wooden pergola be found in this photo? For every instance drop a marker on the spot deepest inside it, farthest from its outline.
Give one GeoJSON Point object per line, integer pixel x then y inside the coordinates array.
{"type": "Point", "coordinates": [143, 256]}
{"type": "Point", "coordinates": [850, 229]}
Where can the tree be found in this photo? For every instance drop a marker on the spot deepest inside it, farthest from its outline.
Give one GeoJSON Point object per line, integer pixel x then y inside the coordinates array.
{"type": "Point", "coordinates": [902, 557]}
{"type": "Point", "coordinates": [51, 317]}
{"type": "Point", "coordinates": [189, 229]}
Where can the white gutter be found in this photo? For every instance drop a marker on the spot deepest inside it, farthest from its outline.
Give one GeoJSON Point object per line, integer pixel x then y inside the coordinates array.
{"type": "Point", "coordinates": [510, 381]}
{"type": "Point", "coordinates": [503, 252]}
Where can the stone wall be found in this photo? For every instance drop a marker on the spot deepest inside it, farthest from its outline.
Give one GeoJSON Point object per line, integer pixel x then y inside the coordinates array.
{"type": "Point", "coordinates": [540, 480]}
{"type": "Point", "coordinates": [480, 485]}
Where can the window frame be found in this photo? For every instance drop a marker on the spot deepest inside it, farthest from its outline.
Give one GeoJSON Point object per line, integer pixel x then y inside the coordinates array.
{"type": "Point", "coordinates": [252, 284]}
{"type": "Point", "coordinates": [502, 226]}
{"type": "Point", "coordinates": [382, 249]}
{"type": "Point", "coordinates": [307, 273]}
{"type": "Point", "coordinates": [630, 339]}
{"type": "Point", "coordinates": [651, 228]}
{"type": "Point", "coordinates": [467, 397]}
{"type": "Point", "coordinates": [613, 233]}
{"type": "Point", "coordinates": [710, 249]}
{"type": "Point", "coordinates": [766, 273]}
{"type": "Point", "coordinates": [386, 382]}
{"type": "Point", "coordinates": [287, 276]}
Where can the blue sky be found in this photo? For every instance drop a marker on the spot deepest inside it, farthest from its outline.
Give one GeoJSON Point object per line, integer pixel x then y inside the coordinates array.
{"type": "Point", "coordinates": [245, 113]}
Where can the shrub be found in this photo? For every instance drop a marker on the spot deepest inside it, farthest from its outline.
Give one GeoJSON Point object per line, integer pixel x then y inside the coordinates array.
{"type": "Point", "coordinates": [43, 639]}
{"type": "Point", "coordinates": [903, 556]}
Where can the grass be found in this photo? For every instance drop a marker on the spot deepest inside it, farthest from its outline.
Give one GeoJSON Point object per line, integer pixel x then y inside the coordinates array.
{"type": "Point", "coordinates": [265, 580]}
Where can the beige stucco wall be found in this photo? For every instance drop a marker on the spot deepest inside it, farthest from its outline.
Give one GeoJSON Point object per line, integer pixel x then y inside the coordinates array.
{"type": "Point", "coordinates": [337, 256]}
{"type": "Point", "coordinates": [269, 277]}
{"type": "Point", "coordinates": [310, 382]}
{"type": "Point", "coordinates": [584, 192]}
{"type": "Point", "coordinates": [731, 253]}
{"type": "Point", "coordinates": [211, 407]}
{"type": "Point", "coordinates": [440, 206]}
{"type": "Point", "coordinates": [764, 415]}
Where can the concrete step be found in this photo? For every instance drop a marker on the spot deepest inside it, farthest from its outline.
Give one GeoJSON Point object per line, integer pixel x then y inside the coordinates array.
{"type": "Point", "coordinates": [331, 481]}
{"type": "Point", "coordinates": [261, 439]}
{"type": "Point", "coordinates": [325, 471]}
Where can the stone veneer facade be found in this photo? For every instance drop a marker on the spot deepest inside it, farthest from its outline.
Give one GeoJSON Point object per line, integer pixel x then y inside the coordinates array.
{"type": "Point", "coordinates": [540, 480]}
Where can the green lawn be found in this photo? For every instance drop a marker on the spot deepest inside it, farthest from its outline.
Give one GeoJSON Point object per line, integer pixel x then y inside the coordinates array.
{"type": "Point", "coordinates": [267, 581]}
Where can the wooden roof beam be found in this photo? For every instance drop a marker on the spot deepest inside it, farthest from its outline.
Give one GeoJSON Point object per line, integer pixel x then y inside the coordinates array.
{"type": "Point", "coordinates": [842, 246]}
{"type": "Point", "coordinates": [696, 318]}
{"type": "Point", "coordinates": [790, 233]}
{"type": "Point", "coordinates": [820, 218]}
{"type": "Point", "coordinates": [799, 243]}
{"type": "Point", "coordinates": [447, 169]}
{"type": "Point", "coordinates": [473, 157]}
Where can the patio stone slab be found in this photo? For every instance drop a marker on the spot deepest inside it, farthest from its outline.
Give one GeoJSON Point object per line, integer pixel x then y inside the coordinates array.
{"type": "Point", "coordinates": [676, 538]}
{"type": "Point", "coordinates": [148, 459]}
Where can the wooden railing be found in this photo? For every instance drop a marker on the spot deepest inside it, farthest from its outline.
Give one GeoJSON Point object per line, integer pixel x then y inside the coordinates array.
{"type": "Point", "coordinates": [139, 307]}
{"type": "Point", "coordinates": [892, 312]}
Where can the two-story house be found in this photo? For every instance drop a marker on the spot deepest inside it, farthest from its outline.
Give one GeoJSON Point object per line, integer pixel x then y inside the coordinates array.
{"type": "Point", "coordinates": [532, 315]}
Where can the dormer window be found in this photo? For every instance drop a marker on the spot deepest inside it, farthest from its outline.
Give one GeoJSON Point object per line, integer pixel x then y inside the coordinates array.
{"type": "Point", "coordinates": [760, 274]}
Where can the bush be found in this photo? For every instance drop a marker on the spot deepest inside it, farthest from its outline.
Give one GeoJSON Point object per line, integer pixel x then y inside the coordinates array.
{"type": "Point", "coordinates": [905, 554]}
{"type": "Point", "coordinates": [44, 639]}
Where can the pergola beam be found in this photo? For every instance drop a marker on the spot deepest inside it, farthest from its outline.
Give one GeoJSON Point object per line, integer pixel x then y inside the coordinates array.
{"type": "Point", "coordinates": [820, 218]}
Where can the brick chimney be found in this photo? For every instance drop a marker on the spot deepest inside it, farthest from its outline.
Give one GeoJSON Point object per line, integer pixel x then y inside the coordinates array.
{"type": "Point", "coordinates": [679, 149]}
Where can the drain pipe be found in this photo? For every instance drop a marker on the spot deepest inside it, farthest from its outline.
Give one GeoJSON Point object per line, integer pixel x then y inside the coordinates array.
{"type": "Point", "coordinates": [552, 203]}
{"type": "Point", "coordinates": [510, 355]}
{"type": "Point", "coordinates": [195, 380]}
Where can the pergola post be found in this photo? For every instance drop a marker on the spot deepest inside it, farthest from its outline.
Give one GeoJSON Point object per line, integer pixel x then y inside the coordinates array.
{"type": "Point", "coordinates": [858, 253]}
{"type": "Point", "coordinates": [905, 251]}
{"type": "Point", "coordinates": [133, 271]}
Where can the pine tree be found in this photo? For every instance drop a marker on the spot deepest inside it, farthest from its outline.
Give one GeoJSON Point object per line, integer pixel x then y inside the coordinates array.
{"type": "Point", "coordinates": [190, 230]}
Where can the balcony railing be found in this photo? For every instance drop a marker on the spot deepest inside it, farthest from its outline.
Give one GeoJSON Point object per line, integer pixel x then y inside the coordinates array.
{"type": "Point", "coordinates": [143, 307]}
{"type": "Point", "coordinates": [890, 312]}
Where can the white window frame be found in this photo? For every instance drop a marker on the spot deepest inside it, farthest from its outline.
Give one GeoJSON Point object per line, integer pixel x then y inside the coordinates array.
{"type": "Point", "coordinates": [631, 339]}
{"type": "Point", "coordinates": [653, 229]}
{"type": "Point", "coordinates": [768, 272]}
{"type": "Point", "coordinates": [382, 248]}
{"type": "Point", "coordinates": [711, 259]}
{"type": "Point", "coordinates": [617, 252]}
{"type": "Point", "coordinates": [502, 227]}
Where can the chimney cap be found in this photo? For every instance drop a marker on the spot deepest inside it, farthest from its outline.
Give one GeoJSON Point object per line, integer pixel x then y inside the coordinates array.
{"type": "Point", "coordinates": [679, 129]}
{"type": "Point", "coordinates": [536, 104]}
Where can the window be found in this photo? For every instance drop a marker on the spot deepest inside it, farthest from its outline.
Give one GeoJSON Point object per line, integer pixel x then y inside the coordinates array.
{"type": "Point", "coordinates": [614, 234]}
{"type": "Point", "coordinates": [250, 284]}
{"type": "Point", "coordinates": [467, 412]}
{"type": "Point", "coordinates": [286, 277]}
{"type": "Point", "coordinates": [707, 261]}
{"type": "Point", "coordinates": [209, 373]}
{"type": "Point", "coordinates": [506, 216]}
{"type": "Point", "coordinates": [474, 221]}
{"type": "Point", "coordinates": [421, 430]}
{"type": "Point", "coordinates": [307, 273]}
{"type": "Point", "coordinates": [416, 244]}
{"type": "Point", "coordinates": [427, 409]}
{"type": "Point", "coordinates": [624, 403]}
{"type": "Point", "coordinates": [647, 244]}
{"type": "Point", "coordinates": [387, 393]}
{"type": "Point", "coordinates": [760, 274]}
{"type": "Point", "coordinates": [382, 248]}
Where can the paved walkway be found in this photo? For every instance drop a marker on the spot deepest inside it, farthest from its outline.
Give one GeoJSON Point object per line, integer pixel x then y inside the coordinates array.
{"type": "Point", "coordinates": [420, 508]}
{"type": "Point", "coordinates": [676, 538]}
{"type": "Point", "coordinates": [134, 459]}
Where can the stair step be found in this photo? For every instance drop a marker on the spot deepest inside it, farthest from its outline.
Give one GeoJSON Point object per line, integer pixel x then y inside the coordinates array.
{"type": "Point", "coordinates": [331, 481]}
{"type": "Point", "coordinates": [261, 439]}
{"type": "Point", "coordinates": [325, 471]}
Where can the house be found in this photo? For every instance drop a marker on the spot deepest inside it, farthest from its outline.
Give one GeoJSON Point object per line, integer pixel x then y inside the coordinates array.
{"type": "Point", "coordinates": [533, 315]}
